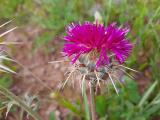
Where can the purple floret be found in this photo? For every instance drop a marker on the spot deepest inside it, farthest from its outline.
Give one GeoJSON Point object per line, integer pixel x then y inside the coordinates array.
{"type": "Point", "coordinates": [87, 37]}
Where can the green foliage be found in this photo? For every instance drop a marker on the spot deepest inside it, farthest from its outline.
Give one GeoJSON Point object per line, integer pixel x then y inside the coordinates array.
{"type": "Point", "coordinates": [9, 8]}
{"type": "Point", "coordinates": [101, 105]}
{"type": "Point", "coordinates": [52, 116]}
{"type": "Point", "coordinates": [119, 107]}
{"type": "Point", "coordinates": [128, 105]}
{"type": "Point", "coordinates": [147, 94]}
{"type": "Point", "coordinates": [71, 106]}
{"type": "Point", "coordinates": [74, 107]}
{"type": "Point", "coordinates": [43, 39]}
{"type": "Point", "coordinates": [6, 80]}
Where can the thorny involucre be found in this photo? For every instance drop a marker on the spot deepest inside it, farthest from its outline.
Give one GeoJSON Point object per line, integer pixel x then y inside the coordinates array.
{"type": "Point", "coordinates": [99, 44]}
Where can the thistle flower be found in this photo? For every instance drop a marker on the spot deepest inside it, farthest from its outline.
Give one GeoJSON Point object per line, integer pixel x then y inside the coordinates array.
{"type": "Point", "coordinates": [97, 53]}
{"type": "Point", "coordinates": [88, 38]}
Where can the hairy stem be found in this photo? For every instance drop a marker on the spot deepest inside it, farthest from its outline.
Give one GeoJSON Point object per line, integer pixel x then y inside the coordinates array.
{"type": "Point", "coordinates": [92, 97]}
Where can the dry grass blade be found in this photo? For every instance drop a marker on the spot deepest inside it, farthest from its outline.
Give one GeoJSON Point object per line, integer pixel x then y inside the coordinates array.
{"type": "Point", "coordinates": [6, 69]}
{"type": "Point", "coordinates": [98, 80]}
{"type": "Point", "coordinates": [9, 106]}
{"type": "Point", "coordinates": [68, 78]}
{"type": "Point", "coordinates": [83, 80]}
{"type": "Point", "coordinates": [128, 68]}
{"type": "Point", "coordinates": [126, 73]}
{"type": "Point", "coordinates": [9, 43]}
{"type": "Point", "coordinates": [113, 83]}
{"type": "Point", "coordinates": [5, 23]}
{"type": "Point", "coordinates": [3, 68]}
{"type": "Point", "coordinates": [7, 31]}
{"type": "Point", "coordinates": [52, 62]}
{"type": "Point", "coordinates": [3, 57]}
{"type": "Point", "coordinates": [115, 77]}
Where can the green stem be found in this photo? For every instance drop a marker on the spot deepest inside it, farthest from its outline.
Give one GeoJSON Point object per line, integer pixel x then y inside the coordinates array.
{"type": "Point", "coordinates": [21, 103]}
{"type": "Point", "coordinates": [21, 114]}
{"type": "Point", "coordinates": [92, 97]}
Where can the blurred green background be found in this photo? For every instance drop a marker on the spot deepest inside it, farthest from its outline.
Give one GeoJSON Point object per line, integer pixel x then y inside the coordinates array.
{"type": "Point", "coordinates": [140, 98]}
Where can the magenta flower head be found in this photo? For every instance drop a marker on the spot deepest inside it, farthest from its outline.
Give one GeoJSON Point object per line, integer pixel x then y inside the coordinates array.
{"type": "Point", "coordinates": [88, 38]}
